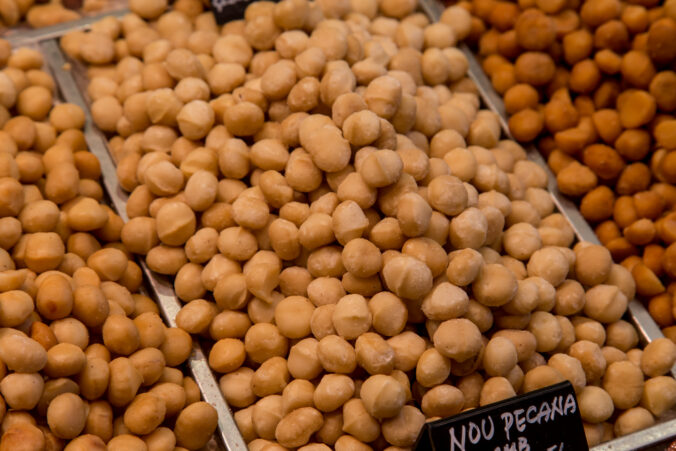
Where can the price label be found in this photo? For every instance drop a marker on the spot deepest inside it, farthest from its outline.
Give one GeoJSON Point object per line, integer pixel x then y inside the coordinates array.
{"type": "Point", "coordinates": [542, 420]}
{"type": "Point", "coordinates": [227, 10]}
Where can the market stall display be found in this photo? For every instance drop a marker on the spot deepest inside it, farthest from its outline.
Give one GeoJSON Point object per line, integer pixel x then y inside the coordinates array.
{"type": "Point", "coordinates": [321, 274]}
{"type": "Point", "coordinates": [328, 204]}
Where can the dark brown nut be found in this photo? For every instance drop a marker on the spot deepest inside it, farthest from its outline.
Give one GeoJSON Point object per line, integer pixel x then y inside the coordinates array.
{"type": "Point", "coordinates": [597, 204]}
{"type": "Point", "coordinates": [660, 34]}
{"type": "Point", "coordinates": [636, 108]}
{"type": "Point", "coordinates": [195, 425]}
{"type": "Point", "coordinates": [584, 76]}
{"type": "Point", "coordinates": [666, 166]}
{"type": "Point", "coordinates": [610, 63]}
{"type": "Point", "coordinates": [637, 69]}
{"type": "Point", "coordinates": [597, 12]}
{"type": "Point", "coordinates": [633, 144]}
{"type": "Point", "coordinates": [634, 178]}
{"type": "Point", "coordinates": [535, 30]}
{"type": "Point", "coordinates": [534, 68]}
{"type": "Point", "coordinates": [576, 179]}
{"type": "Point", "coordinates": [661, 88]}
{"type": "Point", "coordinates": [577, 45]}
{"type": "Point", "coordinates": [560, 113]}
{"type": "Point", "coordinates": [603, 160]}
{"type": "Point", "coordinates": [501, 15]}
{"type": "Point", "coordinates": [664, 134]}
{"type": "Point", "coordinates": [520, 97]}
{"type": "Point", "coordinates": [635, 18]}
{"type": "Point", "coordinates": [526, 124]}
{"type": "Point", "coordinates": [641, 232]}
{"type": "Point", "coordinates": [612, 35]}
{"type": "Point", "coordinates": [647, 283]}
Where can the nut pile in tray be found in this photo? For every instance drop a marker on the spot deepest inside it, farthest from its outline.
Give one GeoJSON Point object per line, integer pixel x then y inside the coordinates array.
{"type": "Point", "coordinates": [42, 13]}
{"type": "Point", "coordinates": [593, 83]}
{"type": "Point", "coordinates": [345, 225]}
{"type": "Point", "coordinates": [85, 359]}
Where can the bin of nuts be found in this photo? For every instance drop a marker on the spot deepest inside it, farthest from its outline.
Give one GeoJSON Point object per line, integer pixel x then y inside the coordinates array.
{"type": "Point", "coordinates": [592, 83]}
{"type": "Point", "coordinates": [348, 230]}
{"type": "Point", "coordinates": [16, 14]}
{"type": "Point", "coordinates": [86, 362]}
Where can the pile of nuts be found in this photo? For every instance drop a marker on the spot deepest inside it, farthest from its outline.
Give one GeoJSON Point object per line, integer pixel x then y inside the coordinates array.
{"type": "Point", "coordinates": [86, 362]}
{"type": "Point", "coordinates": [593, 84]}
{"type": "Point", "coordinates": [41, 13]}
{"type": "Point", "coordinates": [343, 222]}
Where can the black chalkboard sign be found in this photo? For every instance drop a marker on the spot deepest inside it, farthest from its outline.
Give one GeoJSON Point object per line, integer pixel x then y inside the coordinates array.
{"type": "Point", "coordinates": [227, 10]}
{"type": "Point", "coordinates": [542, 420]}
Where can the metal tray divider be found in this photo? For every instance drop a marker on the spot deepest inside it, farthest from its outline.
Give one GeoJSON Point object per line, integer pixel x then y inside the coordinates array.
{"type": "Point", "coordinates": [160, 287]}
{"type": "Point", "coordinates": [637, 313]}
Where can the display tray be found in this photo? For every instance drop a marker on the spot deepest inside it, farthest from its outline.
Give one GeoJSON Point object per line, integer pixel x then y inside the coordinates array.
{"type": "Point", "coordinates": [71, 80]}
{"type": "Point", "coordinates": [657, 437]}
{"type": "Point", "coordinates": [636, 313]}
{"type": "Point", "coordinates": [158, 287]}
{"type": "Point", "coordinates": [152, 286]}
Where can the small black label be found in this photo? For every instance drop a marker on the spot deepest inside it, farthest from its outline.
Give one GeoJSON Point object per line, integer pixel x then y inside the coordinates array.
{"type": "Point", "coordinates": [227, 10]}
{"type": "Point", "coordinates": [542, 420]}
